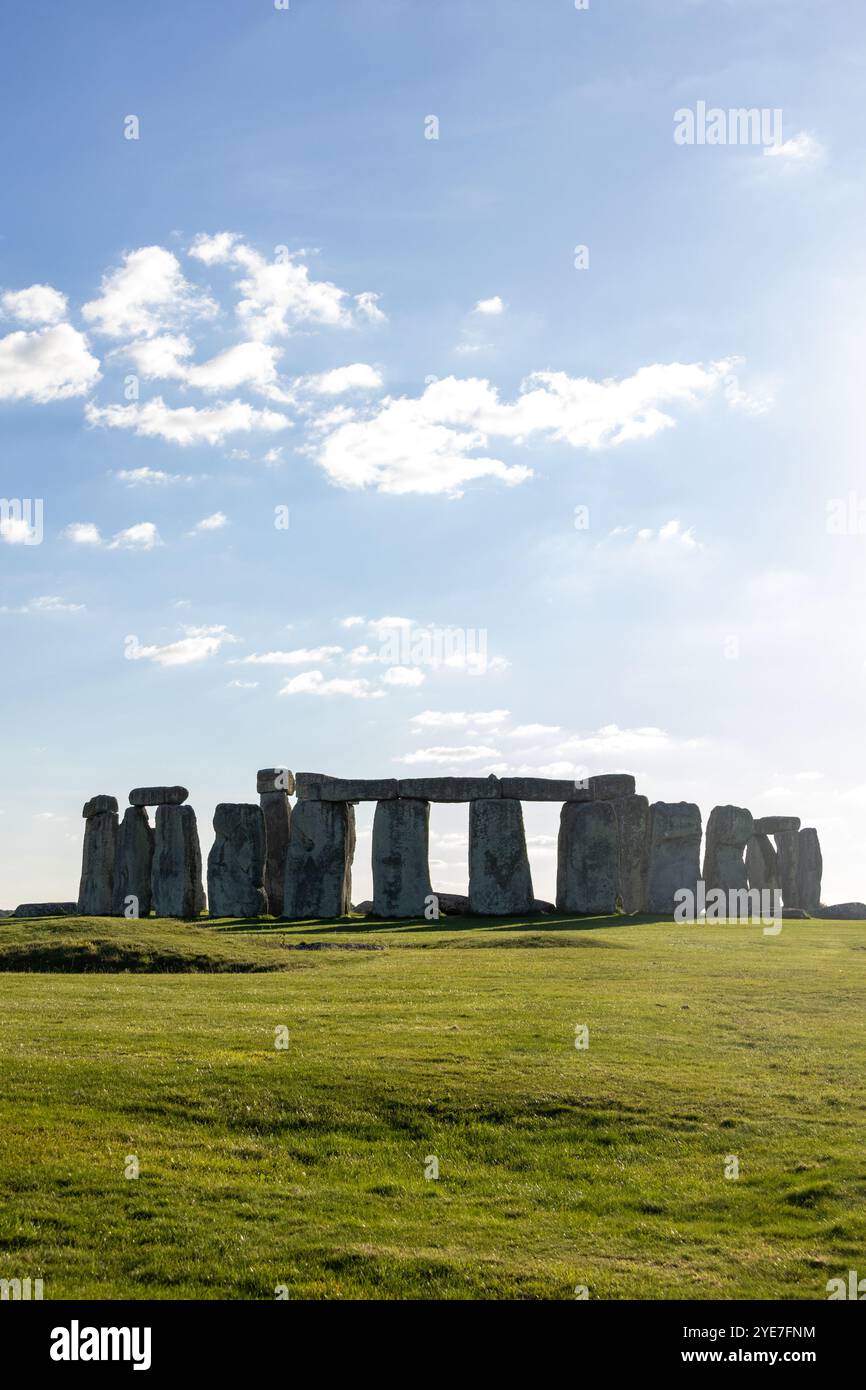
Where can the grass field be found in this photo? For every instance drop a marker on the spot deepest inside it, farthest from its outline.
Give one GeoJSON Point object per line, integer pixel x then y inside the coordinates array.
{"type": "Point", "coordinates": [558, 1167]}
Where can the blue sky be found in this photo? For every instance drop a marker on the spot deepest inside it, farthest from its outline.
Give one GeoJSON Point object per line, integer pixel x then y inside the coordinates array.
{"type": "Point", "coordinates": [384, 338]}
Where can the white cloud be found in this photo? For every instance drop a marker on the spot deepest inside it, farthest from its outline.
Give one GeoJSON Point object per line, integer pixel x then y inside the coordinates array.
{"type": "Point", "coordinates": [610, 741]}
{"type": "Point", "coordinates": [301, 656]}
{"type": "Point", "coordinates": [150, 477]}
{"type": "Point", "coordinates": [458, 719]}
{"type": "Point", "coordinates": [403, 675]}
{"type": "Point", "coordinates": [314, 683]}
{"type": "Point", "coordinates": [242, 685]}
{"type": "Point", "coordinates": [186, 424]}
{"type": "Point", "coordinates": [38, 304]}
{"type": "Point", "coordinates": [17, 531]}
{"type": "Point", "coordinates": [50, 364]}
{"type": "Point", "coordinates": [359, 376]}
{"type": "Point", "coordinates": [47, 603]}
{"type": "Point", "coordinates": [670, 534]}
{"type": "Point", "coordinates": [166, 358]}
{"type": "Point", "coordinates": [83, 533]}
{"type": "Point", "coordinates": [802, 148]}
{"type": "Point", "coordinates": [533, 730]}
{"type": "Point", "coordinates": [198, 644]}
{"type": "Point", "coordinates": [215, 522]}
{"type": "Point", "coordinates": [466, 753]}
{"type": "Point", "coordinates": [352, 622]}
{"type": "Point", "coordinates": [491, 306]}
{"type": "Point", "coordinates": [145, 295]}
{"type": "Point", "coordinates": [142, 536]}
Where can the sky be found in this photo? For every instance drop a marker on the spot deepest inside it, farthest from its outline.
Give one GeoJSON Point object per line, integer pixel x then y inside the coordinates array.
{"type": "Point", "coordinates": [391, 389]}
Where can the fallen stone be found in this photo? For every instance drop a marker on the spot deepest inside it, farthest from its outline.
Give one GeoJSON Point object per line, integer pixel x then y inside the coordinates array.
{"type": "Point", "coordinates": [401, 872]}
{"type": "Point", "coordinates": [236, 863]}
{"type": "Point", "coordinates": [810, 868]}
{"type": "Point", "coordinates": [788, 852]}
{"type": "Point", "coordinates": [275, 779]}
{"type": "Point", "coordinates": [277, 811]}
{"type": "Point", "coordinates": [674, 854]}
{"type": "Point", "coordinates": [729, 829]}
{"type": "Point", "coordinates": [773, 825]}
{"type": "Point", "coordinates": [176, 884]}
{"type": "Point", "coordinates": [96, 890]}
{"type": "Point", "coordinates": [365, 908]}
{"type": "Point", "coordinates": [43, 910]}
{"type": "Point", "coordinates": [98, 805]}
{"type": "Point", "coordinates": [633, 822]}
{"type": "Point", "coordinates": [544, 789]}
{"type": "Point", "coordinates": [317, 786]}
{"type": "Point", "coordinates": [158, 796]}
{"type": "Point", "coordinates": [541, 906]}
{"type": "Point", "coordinates": [449, 788]}
{"type": "Point", "coordinates": [133, 865]}
{"type": "Point", "coordinates": [318, 879]}
{"type": "Point", "coordinates": [500, 883]}
{"type": "Point", "coordinates": [798, 913]}
{"type": "Point", "coordinates": [453, 904]}
{"type": "Point", "coordinates": [610, 786]}
{"type": "Point", "coordinates": [762, 863]}
{"type": "Point", "coordinates": [842, 912]}
{"type": "Point", "coordinates": [587, 859]}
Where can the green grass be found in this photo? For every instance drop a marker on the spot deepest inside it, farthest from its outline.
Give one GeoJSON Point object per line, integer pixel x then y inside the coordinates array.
{"type": "Point", "coordinates": [558, 1167]}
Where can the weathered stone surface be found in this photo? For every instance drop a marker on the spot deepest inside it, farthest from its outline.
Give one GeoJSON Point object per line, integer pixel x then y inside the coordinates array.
{"type": "Point", "coordinates": [366, 907]}
{"type": "Point", "coordinates": [633, 822]}
{"type": "Point", "coordinates": [449, 788]}
{"type": "Point", "coordinates": [798, 913]}
{"type": "Point", "coordinates": [176, 879]}
{"type": "Point", "coordinates": [762, 863]}
{"type": "Point", "coordinates": [540, 905]}
{"type": "Point", "coordinates": [277, 810]}
{"type": "Point", "coordinates": [810, 867]}
{"type": "Point", "coordinates": [318, 881]}
{"type": "Point", "coordinates": [543, 789]}
{"type": "Point", "coordinates": [43, 910]}
{"type": "Point", "coordinates": [729, 829]}
{"type": "Point", "coordinates": [158, 796]}
{"type": "Point", "coordinates": [674, 853]}
{"type": "Point", "coordinates": [610, 786]}
{"type": "Point", "coordinates": [500, 883]}
{"type": "Point", "coordinates": [275, 779]}
{"type": "Point", "coordinates": [453, 904]}
{"type": "Point", "coordinates": [96, 890]}
{"type": "Point", "coordinates": [236, 863]}
{"type": "Point", "coordinates": [587, 866]}
{"type": "Point", "coordinates": [788, 851]}
{"type": "Point", "coordinates": [133, 865]}
{"type": "Point", "coordinates": [772, 825]}
{"type": "Point", "coordinates": [318, 786]}
{"type": "Point", "coordinates": [842, 912]}
{"type": "Point", "coordinates": [401, 872]}
{"type": "Point", "coordinates": [98, 805]}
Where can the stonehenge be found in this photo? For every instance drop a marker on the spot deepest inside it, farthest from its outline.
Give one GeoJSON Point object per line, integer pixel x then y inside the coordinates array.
{"type": "Point", "coordinates": [615, 851]}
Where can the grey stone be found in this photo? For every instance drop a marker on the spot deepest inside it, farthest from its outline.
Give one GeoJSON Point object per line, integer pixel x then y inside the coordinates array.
{"type": "Point", "coordinates": [633, 822]}
{"type": "Point", "coordinates": [453, 904]}
{"type": "Point", "coordinates": [449, 788]}
{"type": "Point", "coordinates": [401, 872]}
{"type": "Point", "coordinates": [275, 779]}
{"type": "Point", "coordinates": [317, 786]}
{"type": "Point", "coordinates": [318, 881]}
{"type": "Point", "coordinates": [810, 867]}
{"type": "Point", "coordinates": [277, 811]}
{"type": "Point", "coordinates": [772, 825]}
{"type": "Point", "coordinates": [610, 786]}
{"type": "Point", "coordinates": [500, 883]}
{"type": "Point", "coordinates": [176, 880]}
{"type": "Point", "coordinates": [842, 912]}
{"type": "Point", "coordinates": [96, 890]}
{"type": "Point", "coordinates": [762, 863]}
{"type": "Point", "coordinates": [43, 910]}
{"type": "Point", "coordinates": [236, 863]}
{"type": "Point", "coordinates": [798, 913]}
{"type": "Point", "coordinates": [158, 796]}
{"type": "Point", "coordinates": [674, 853]}
{"type": "Point", "coordinates": [98, 805]}
{"type": "Point", "coordinates": [788, 851]}
{"type": "Point", "coordinates": [365, 908]}
{"type": "Point", "coordinates": [587, 866]}
{"type": "Point", "coordinates": [543, 789]}
{"type": "Point", "coordinates": [133, 865]}
{"type": "Point", "coordinates": [729, 829]}
{"type": "Point", "coordinates": [540, 905]}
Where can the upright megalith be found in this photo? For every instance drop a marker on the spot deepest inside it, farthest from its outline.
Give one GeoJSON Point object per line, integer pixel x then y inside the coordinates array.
{"type": "Point", "coordinates": [633, 820]}
{"type": "Point", "coordinates": [587, 866]}
{"type": "Point", "coordinates": [318, 875]}
{"type": "Point", "coordinates": [236, 863]}
{"type": "Point", "coordinates": [274, 785]}
{"type": "Point", "coordinates": [810, 867]}
{"type": "Point", "coordinates": [96, 889]}
{"type": "Point", "coordinates": [500, 884]}
{"type": "Point", "coordinates": [176, 878]}
{"type": "Point", "coordinates": [729, 830]}
{"type": "Point", "coordinates": [674, 854]}
{"type": "Point", "coordinates": [788, 851]}
{"type": "Point", "coordinates": [133, 865]}
{"type": "Point", "coordinates": [401, 870]}
{"type": "Point", "coordinates": [762, 864]}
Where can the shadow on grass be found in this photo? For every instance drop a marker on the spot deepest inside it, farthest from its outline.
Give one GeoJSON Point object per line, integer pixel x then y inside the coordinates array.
{"type": "Point", "coordinates": [553, 922]}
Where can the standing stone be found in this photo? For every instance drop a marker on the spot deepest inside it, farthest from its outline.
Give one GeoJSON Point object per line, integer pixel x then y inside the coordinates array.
{"type": "Point", "coordinates": [133, 865]}
{"type": "Point", "coordinates": [318, 876]}
{"type": "Point", "coordinates": [762, 864]}
{"type": "Point", "coordinates": [401, 870]}
{"type": "Point", "coordinates": [500, 884]}
{"type": "Point", "coordinates": [587, 869]}
{"type": "Point", "coordinates": [632, 818]}
{"type": "Point", "coordinates": [674, 854]}
{"type": "Point", "coordinates": [176, 879]}
{"type": "Point", "coordinates": [277, 811]}
{"type": "Point", "coordinates": [729, 828]}
{"type": "Point", "coordinates": [810, 867]}
{"type": "Point", "coordinates": [236, 863]}
{"type": "Point", "coordinates": [788, 850]}
{"type": "Point", "coordinates": [96, 890]}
